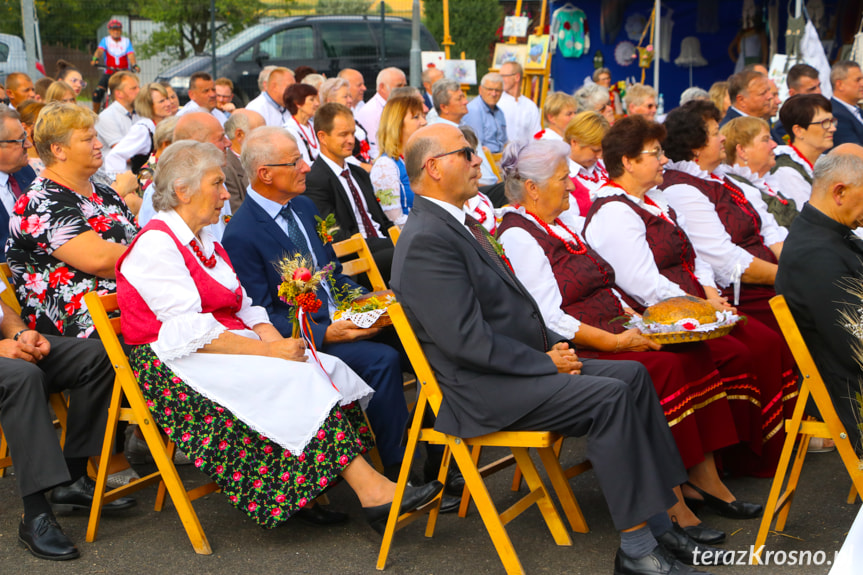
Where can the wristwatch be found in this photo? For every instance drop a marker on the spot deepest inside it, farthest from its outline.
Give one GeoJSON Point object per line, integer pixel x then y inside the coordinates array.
{"type": "Point", "coordinates": [17, 335]}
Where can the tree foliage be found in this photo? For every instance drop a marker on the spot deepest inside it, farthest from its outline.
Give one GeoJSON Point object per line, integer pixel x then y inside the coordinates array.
{"type": "Point", "coordinates": [473, 26]}
{"type": "Point", "coordinates": [186, 24]}
{"type": "Point", "coordinates": [70, 23]}
{"type": "Point", "coordinates": [343, 7]}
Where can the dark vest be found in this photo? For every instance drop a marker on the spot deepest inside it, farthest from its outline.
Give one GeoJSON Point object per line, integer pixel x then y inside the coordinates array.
{"type": "Point", "coordinates": [584, 280]}
{"type": "Point", "coordinates": [783, 209]}
{"type": "Point", "coordinates": [741, 220]}
{"type": "Point", "coordinates": [672, 251]}
{"type": "Point", "coordinates": [786, 161]}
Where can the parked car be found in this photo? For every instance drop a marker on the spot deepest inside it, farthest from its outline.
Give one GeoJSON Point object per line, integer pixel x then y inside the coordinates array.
{"type": "Point", "coordinates": [13, 57]}
{"type": "Point", "coordinates": [326, 43]}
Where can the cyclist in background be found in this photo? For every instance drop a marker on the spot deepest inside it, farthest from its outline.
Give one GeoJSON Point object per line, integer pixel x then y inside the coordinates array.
{"type": "Point", "coordinates": [119, 55]}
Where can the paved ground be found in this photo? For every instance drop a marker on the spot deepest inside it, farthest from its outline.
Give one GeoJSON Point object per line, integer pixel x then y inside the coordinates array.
{"type": "Point", "coordinates": [155, 543]}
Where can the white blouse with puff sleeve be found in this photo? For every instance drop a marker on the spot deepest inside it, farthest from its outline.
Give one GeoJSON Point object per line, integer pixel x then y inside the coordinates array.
{"type": "Point", "coordinates": [618, 234]}
{"type": "Point", "coordinates": [285, 400]}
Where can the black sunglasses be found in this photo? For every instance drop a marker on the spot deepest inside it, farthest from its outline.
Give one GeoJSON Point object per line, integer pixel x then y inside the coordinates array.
{"type": "Point", "coordinates": [466, 152]}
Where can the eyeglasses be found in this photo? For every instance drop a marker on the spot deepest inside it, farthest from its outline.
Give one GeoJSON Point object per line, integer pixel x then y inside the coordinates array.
{"type": "Point", "coordinates": [826, 123]}
{"type": "Point", "coordinates": [286, 165]}
{"type": "Point", "coordinates": [20, 142]}
{"type": "Point", "coordinates": [508, 75]}
{"type": "Point", "coordinates": [656, 152]}
{"type": "Point", "coordinates": [492, 90]}
{"type": "Point", "coordinates": [467, 152]}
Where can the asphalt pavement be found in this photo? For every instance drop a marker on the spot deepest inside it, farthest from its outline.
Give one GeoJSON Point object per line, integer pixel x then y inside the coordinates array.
{"type": "Point", "coordinates": [145, 541]}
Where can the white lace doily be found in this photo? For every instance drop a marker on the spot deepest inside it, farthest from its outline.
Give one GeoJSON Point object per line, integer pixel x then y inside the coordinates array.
{"type": "Point", "coordinates": [364, 319]}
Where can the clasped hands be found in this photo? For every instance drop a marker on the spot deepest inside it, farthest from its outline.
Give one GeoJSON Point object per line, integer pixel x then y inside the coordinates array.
{"type": "Point", "coordinates": [31, 346]}
{"type": "Point", "coordinates": [564, 358]}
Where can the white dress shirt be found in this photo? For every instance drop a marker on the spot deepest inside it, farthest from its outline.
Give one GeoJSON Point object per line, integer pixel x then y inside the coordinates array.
{"type": "Point", "coordinates": [337, 170]}
{"type": "Point", "coordinates": [148, 212]}
{"type": "Point", "coordinates": [115, 121]}
{"type": "Point", "coordinates": [618, 234]}
{"type": "Point", "coordinates": [753, 186]}
{"type": "Point", "coordinates": [549, 134]}
{"type": "Point", "coordinates": [192, 106]}
{"type": "Point", "coordinates": [139, 140]}
{"type": "Point", "coordinates": [284, 400]}
{"type": "Point", "coordinates": [704, 228]}
{"type": "Point", "coordinates": [274, 115]}
{"type": "Point", "coordinates": [370, 117]}
{"type": "Point", "coordinates": [522, 117]}
{"type": "Point", "coordinates": [788, 181]}
{"type": "Point", "coordinates": [7, 196]}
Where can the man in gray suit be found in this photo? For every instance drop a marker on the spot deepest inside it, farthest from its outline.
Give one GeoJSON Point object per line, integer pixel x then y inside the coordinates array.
{"type": "Point", "coordinates": [500, 368]}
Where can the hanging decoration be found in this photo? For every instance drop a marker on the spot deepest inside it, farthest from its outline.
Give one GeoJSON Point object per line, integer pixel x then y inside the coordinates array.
{"type": "Point", "coordinates": [690, 55]}
{"type": "Point", "coordinates": [645, 53]}
{"type": "Point", "coordinates": [625, 53]}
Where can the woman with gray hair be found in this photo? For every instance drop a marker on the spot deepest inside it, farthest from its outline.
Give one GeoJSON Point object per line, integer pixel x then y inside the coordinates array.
{"type": "Point", "coordinates": [272, 428]}
{"type": "Point", "coordinates": [595, 98]}
{"type": "Point", "coordinates": [575, 291]}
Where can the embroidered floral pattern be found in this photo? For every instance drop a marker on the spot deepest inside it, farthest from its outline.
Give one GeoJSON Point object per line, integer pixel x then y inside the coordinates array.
{"type": "Point", "coordinates": [257, 475]}
{"type": "Point", "coordinates": [44, 219]}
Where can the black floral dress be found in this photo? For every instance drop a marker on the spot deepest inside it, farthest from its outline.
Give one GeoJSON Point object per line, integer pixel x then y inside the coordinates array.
{"type": "Point", "coordinates": [258, 476]}
{"type": "Point", "coordinates": [51, 292]}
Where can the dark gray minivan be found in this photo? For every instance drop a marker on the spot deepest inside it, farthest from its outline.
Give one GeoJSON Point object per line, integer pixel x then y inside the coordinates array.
{"type": "Point", "coordinates": [326, 43]}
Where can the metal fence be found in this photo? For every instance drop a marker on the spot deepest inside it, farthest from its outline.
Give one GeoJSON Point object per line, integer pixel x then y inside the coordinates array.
{"type": "Point", "coordinates": [165, 32]}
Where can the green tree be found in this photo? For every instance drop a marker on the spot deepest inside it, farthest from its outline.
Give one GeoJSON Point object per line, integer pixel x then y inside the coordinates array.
{"type": "Point", "coordinates": [71, 23]}
{"type": "Point", "coordinates": [186, 24]}
{"type": "Point", "coordinates": [473, 26]}
{"type": "Point", "coordinates": [341, 7]}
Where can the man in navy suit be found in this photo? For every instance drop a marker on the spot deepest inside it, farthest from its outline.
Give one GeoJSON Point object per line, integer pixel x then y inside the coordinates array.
{"type": "Point", "coordinates": [344, 189]}
{"type": "Point", "coordinates": [749, 92]}
{"type": "Point", "coordinates": [275, 221]}
{"type": "Point", "coordinates": [15, 172]}
{"type": "Point", "coordinates": [847, 82]}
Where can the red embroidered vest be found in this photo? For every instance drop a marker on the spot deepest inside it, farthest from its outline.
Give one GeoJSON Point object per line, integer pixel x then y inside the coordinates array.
{"type": "Point", "coordinates": [672, 250]}
{"type": "Point", "coordinates": [740, 218]}
{"type": "Point", "coordinates": [140, 325]}
{"type": "Point", "coordinates": [584, 281]}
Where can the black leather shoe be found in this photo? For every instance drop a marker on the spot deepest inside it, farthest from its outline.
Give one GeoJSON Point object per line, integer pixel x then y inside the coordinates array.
{"type": "Point", "coordinates": [454, 484]}
{"type": "Point", "coordinates": [733, 509]}
{"type": "Point", "coordinates": [44, 538]}
{"type": "Point", "coordinates": [414, 498]}
{"type": "Point", "coordinates": [658, 562]}
{"type": "Point", "coordinates": [706, 535]}
{"type": "Point", "coordinates": [320, 515]}
{"type": "Point", "coordinates": [685, 549]}
{"type": "Point", "coordinates": [79, 495]}
{"type": "Point", "coordinates": [449, 504]}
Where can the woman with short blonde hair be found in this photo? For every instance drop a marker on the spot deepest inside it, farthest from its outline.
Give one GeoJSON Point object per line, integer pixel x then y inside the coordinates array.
{"type": "Point", "coordinates": [584, 135]}
{"type": "Point", "coordinates": [558, 110]}
{"type": "Point", "coordinates": [60, 91]}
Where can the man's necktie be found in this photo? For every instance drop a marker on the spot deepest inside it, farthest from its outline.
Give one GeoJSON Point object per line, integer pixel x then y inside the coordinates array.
{"type": "Point", "coordinates": [294, 232]}
{"type": "Point", "coordinates": [364, 215]}
{"type": "Point", "coordinates": [482, 236]}
{"type": "Point", "coordinates": [13, 185]}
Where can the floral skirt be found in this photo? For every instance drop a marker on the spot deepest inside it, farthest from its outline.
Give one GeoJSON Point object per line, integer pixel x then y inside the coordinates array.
{"type": "Point", "coordinates": [259, 476]}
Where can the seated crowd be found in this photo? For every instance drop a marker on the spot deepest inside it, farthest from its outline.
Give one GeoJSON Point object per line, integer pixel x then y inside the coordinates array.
{"type": "Point", "coordinates": [595, 215]}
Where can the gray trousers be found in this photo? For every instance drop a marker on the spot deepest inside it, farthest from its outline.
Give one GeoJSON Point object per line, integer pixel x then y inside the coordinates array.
{"type": "Point", "coordinates": [629, 442]}
{"type": "Point", "coordinates": [80, 366]}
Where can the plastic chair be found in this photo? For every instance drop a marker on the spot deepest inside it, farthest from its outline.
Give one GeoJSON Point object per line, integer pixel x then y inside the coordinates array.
{"type": "Point", "coordinates": [800, 431]}
{"type": "Point", "coordinates": [519, 442]}
{"type": "Point", "coordinates": [126, 384]}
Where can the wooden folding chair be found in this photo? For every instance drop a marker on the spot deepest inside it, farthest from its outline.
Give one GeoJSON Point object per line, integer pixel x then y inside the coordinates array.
{"type": "Point", "coordinates": [519, 442]}
{"type": "Point", "coordinates": [494, 160]}
{"type": "Point", "coordinates": [394, 233]}
{"type": "Point", "coordinates": [125, 384]}
{"type": "Point", "coordinates": [57, 400]}
{"type": "Point", "coordinates": [800, 431]}
{"type": "Point", "coordinates": [364, 262]}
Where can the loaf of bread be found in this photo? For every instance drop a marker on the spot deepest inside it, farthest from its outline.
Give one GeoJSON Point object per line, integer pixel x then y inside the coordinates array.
{"type": "Point", "coordinates": [674, 309]}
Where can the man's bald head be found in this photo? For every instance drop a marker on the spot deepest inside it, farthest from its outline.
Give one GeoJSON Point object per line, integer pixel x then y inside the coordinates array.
{"type": "Point", "coordinates": [201, 127]}
{"type": "Point", "coordinates": [837, 190]}
{"type": "Point", "coordinates": [19, 87]}
{"type": "Point", "coordinates": [453, 175]}
{"type": "Point", "coordinates": [240, 125]}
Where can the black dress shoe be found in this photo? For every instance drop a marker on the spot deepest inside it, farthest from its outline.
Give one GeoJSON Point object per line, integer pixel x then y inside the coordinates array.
{"type": "Point", "coordinates": [705, 535]}
{"type": "Point", "coordinates": [684, 548]}
{"type": "Point", "coordinates": [658, 562]}
{"type": "Point", "coordinates": [79, 495]}
{"type": "Point", "coordinates": [449, 504]}
{"type": "Point", "coordinates": [414, 498]}
{"type": "Point", "coordinates": [454, 484]}
{"type": "Point", "coordinates": [44, 538]}
{"type": "Point", "coordinates": [733, 509]}
{"type": "Point", "coordinates": [320, 515]}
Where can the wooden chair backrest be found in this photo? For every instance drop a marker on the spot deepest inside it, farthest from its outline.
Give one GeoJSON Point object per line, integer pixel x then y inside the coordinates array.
{"type": "Point", "coordinates": [364, 262]}
{"type": "Point", "coordinates": [394, 232]}
{"type": "Point", "coordinates": [425, 375]}
{"type": "Point", "coordinates": [8, 294]}
{"type": "Point", "coordinates": [494, 165]}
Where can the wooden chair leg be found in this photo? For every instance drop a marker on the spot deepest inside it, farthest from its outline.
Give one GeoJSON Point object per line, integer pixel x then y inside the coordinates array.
{"type": "Point", "coordinates": [102, 473]}
{"type": "Point", "coordinates": [560, 483]}
{"type": "Point", "coordinates": [493, 523]}
{"type": "Point", "coordinates": [401, 484]}
{"type": "Point", "coordinates": [465, 494]}
{"type": "Point", "coordinates": [4, 452]}
{"type": "Point", "coordinates": [779, 478]}
{"type": "Point", "coordinates": [543, 502]}
{"type": "Point", "coordinates": [852, 495]}
{"type": "Point", "coordinates": [516, 479]}
{"type": "Point", "coordinates": [793, 480]}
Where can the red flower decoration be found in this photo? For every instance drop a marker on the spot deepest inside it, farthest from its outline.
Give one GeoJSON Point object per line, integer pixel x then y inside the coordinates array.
{"type": "Point", "coordinates": [689, 326]}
